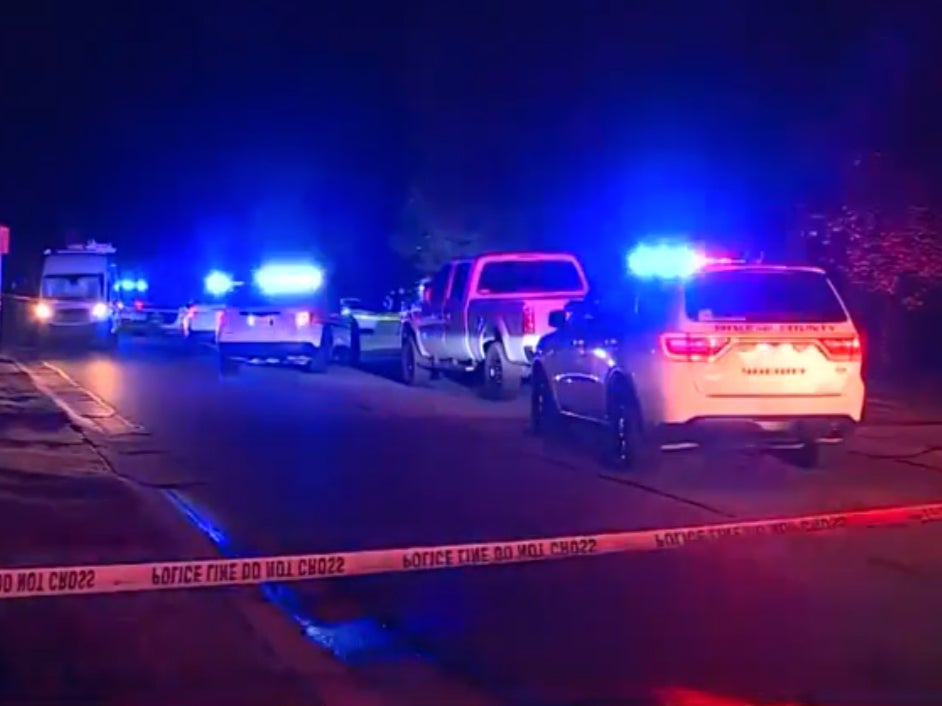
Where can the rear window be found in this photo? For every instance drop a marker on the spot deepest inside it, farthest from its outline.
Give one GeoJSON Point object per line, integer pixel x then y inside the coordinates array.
{"type": "Point", "coordinates": [763, 296]}
{"type": "Point", "coordinates": [530, 276]}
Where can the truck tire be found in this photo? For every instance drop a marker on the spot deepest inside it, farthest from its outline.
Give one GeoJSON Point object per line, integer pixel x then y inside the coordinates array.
{"type": "Point", "coordinates": [627, 447]}
{"type": "Point", "coordinates": [353, 354]}
{"type": "Point", "coordinates": [544, 415]}
{"type": "Point", "coordinates": [412, 373]}
{"type": "Point", "coordinates": [814, 456]}
{"type": "Point", "coordinates": [502, 378]}
{"type": "Point", "coordinates": [322, 357]}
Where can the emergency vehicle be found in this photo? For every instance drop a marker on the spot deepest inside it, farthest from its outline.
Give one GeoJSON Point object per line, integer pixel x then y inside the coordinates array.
{"type": "Point", "coordinates": [694, 349]}
{"type": "Point", "coordinates": [281, 317]}
{"type": "Point", "coordinates": [76, 295]}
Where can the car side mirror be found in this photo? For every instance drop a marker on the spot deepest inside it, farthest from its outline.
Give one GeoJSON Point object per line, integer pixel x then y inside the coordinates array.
{"type": "Point", "coordinates": [557, 319]}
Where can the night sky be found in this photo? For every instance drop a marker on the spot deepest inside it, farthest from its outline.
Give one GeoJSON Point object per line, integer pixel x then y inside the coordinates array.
{"type": "Point", "coordinates": [225, 129]}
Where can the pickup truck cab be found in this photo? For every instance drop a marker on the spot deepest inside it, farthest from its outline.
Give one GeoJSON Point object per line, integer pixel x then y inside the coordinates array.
{"type": "Point", "coordinates": [487, 314]}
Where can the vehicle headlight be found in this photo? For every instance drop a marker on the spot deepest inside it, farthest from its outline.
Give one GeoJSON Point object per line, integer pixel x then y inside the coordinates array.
{"type": "Point", "coordinates": [43, 311]}
{"type": "Point", "coordinates": [100, 311]}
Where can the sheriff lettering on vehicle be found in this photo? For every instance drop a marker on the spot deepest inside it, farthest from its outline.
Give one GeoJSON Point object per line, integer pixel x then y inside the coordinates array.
{"type": "Point", "coordinates": [695, 348]}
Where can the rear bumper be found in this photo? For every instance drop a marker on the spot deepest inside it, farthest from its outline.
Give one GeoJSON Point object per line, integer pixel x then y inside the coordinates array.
{"type": "Point", "coordinates": [764, 430]}
{"type": "Point", "coordinates": [263, 350]}
{"type": "Point", "coordinates": [678, 401]}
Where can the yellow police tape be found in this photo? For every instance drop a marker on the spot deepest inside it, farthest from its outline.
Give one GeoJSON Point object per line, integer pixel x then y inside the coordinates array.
{"type": "Point", "coordinates": [121, 578]}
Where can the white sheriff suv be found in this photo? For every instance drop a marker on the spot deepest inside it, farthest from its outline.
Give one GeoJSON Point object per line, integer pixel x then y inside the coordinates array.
{"type": "Point", "coordinates": [693, 350]}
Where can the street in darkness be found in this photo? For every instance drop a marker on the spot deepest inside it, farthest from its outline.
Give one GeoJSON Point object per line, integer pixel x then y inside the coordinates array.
{"type": "Point", "coordinates": [287, 463]}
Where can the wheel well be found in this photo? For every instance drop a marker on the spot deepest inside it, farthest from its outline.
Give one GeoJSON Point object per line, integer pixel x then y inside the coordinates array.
{"type": "Point", "coordinates": [620, 384]}
{"type": "Point", "coordinates": [489, 337]}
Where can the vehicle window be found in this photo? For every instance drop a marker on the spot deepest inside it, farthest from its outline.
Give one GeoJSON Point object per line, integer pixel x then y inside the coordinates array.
{"type": "Point", "coordinates": [768, 296]}
{"type": "Point", "coordinates": [656, 305]}
{"type": "Point", "coordinates": [530, 276]}
{"type": "Point", "coordinates": [72, 286]}
{"type": "Point", "coordinates": [439, 284]}
{"type": "Point", "coordinates": [640, 306]}
{"type": "Point", "coordinates": [460, 281]}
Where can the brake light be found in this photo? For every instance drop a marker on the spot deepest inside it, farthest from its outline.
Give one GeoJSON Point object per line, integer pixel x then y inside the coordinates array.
{"type": "Point", "coordinates": [847, 348]}
{"type": "Point", "coordinates": [138, 304]}
{"type": "Point", "coordinates": [691, 348]}
{"type": "Point", "coordinates": [529, 320]}
{"type": "Point", "coordinates": [307, 318]}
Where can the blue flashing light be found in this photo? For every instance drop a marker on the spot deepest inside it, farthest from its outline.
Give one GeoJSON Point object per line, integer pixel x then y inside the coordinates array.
{"type": "Point", "coordinates": [131, 285]}
{"type": "Point", "coordinates": [218, 283]}
{"type": "Point", "coordinates": [665, 261]}
{"type": "Point", "coordinates": [289, 279]}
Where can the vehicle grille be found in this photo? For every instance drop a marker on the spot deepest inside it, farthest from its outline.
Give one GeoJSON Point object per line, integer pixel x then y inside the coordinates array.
{"type": "Point", "coordinates": [72, 316]}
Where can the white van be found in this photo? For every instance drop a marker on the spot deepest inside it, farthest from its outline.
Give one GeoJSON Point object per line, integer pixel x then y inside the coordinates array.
{"type": "Point", "coordinates": [76, 294]}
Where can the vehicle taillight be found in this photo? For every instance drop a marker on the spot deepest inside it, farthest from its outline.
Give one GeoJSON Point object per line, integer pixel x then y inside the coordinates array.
{"type": "Point", "coordinates": [529, 320]}
{"type": "Point", "coordinates": [847, 348]}
{"type": "Point", "coordinates": [138, 304]}
{"type": "Point", "coordinates": [307, 318]}
{"type": "Point", "coordinates": [693, 348]}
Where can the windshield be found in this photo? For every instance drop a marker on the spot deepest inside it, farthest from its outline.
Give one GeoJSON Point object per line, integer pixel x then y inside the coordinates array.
{"type": "Point", "coordinates": [533, 276]}
{"type": "Point", "coordinates": [77, 287]}
{"type": "Point", "coordinates": [770, 296]}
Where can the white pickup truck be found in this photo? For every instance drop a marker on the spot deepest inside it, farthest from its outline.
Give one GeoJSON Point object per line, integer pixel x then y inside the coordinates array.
{"type": "Point", "coordinates": [487, 313]}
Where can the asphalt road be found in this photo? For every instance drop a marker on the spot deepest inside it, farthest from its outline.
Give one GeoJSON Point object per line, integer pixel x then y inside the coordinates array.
{"type": "Point", "coordinates": [288, 462]}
